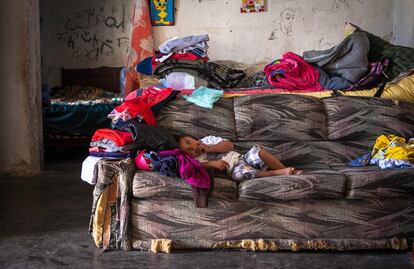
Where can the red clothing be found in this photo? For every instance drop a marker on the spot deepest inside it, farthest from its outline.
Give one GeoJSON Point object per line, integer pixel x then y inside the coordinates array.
{"type": "Point", "coordinates": [136, 107]}
{"type": "Point", "coordinates": [120, 138]}
{"type": "Point", "coordinates": [153, 95]}
{"type": "Point", "coordinates": [187, 56]}
{"type": "Point", "coordinates": [293, 73]}
{"type": "Point", "coordinates": [141, 105]}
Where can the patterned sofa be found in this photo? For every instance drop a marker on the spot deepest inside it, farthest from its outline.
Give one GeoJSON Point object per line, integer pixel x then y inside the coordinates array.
{"type": "Point", "coordinates": [330, 206]}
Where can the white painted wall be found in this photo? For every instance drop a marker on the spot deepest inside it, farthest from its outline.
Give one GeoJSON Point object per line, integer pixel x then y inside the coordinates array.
{"type": "Point", "coordinates": [404, 22]}
{"type": "Point", "coordinates": [20, 100]}
{"type": "Point", "coordinates": [294, 25]}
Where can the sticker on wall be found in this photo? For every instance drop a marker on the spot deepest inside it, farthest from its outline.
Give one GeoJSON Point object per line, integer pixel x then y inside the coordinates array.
{"type": "Point", "coordinates": [162, 12]}
{"type": "Point", "coordinates": [252, 6]}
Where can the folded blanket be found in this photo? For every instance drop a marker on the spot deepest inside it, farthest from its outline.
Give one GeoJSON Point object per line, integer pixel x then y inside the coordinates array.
{"type": "Point", "coordinates": [217, 76]}
{"type": "Point", "coordinates": [293, 73]}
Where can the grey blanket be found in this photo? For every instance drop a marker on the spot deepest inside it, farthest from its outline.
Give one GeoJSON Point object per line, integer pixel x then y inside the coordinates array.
{"type": "Point", "coordinates": [348, 60]}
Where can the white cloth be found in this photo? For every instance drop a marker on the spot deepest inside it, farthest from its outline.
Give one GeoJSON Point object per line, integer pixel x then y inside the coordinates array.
{"type": "Point", "coordinates": [231, 157]}
{"type": "Point", "coordinates": [89, 171]}
{"type": "Point", "coordinates": [211, 140]}
{"type": "Point", "coordinates": [179, 81]}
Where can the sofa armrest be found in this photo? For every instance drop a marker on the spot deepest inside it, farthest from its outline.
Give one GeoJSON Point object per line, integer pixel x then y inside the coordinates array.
{"type": "Point", "coordinates": [110, 224]}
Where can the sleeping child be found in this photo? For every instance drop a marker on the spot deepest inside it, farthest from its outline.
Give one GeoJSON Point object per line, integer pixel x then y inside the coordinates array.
{"type": "Point", "coordinates": [216, 152]}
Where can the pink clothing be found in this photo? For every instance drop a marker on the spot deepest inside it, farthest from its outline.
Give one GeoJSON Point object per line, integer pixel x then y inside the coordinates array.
{"type": "Point", "coordinates": [293, 73]}
{"type": "Point", "coordinates": [190, 169]}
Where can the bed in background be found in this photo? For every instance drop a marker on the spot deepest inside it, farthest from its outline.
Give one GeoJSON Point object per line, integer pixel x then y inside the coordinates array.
{"type": "Point", "coordinates": [80, 106]}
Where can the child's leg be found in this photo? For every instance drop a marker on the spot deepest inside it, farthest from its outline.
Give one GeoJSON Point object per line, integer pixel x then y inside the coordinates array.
{"type": "Point", "coordinates": [271, 161]}
{"type": "Point", "coordinates": [275, 166]}
{"type": "Point", "coordinates": [278, 172]}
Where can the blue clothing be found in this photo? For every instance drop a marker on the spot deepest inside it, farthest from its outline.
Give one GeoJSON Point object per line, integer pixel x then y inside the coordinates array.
{"type": "Point", "coordinates": [360, 161]}
{"type": "Point", "coordinates": [145, 66]}
{"type": "Point", "coordinates": [110, 154]}
{"type": "Point", "coordinates": [204, 97]}
{"type": "Point", "coordinates": [391, 163]}
{"type": "Point", "coordinates": [332, 83]}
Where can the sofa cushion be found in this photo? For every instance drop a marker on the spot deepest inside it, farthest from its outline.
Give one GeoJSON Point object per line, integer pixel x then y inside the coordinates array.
{"type": "Point", "coordinates": [301, 219]}
{"type": "Point", "coordinates": [319, 182]}
{"type": "Point", "coordinates": [301, 153]}
{"type": "Point", "coordinates": [182, 116]}
{"type": "Point", "coordinates": [363, 118]}
{"type": "Point", "coordinates": [154, 185]}
{"type": "Point", "coordinates": [373, 182]}
{"type": "Point", "coordinates": [279, 117]}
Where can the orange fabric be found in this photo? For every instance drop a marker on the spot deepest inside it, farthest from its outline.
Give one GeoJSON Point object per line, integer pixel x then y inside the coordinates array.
{"type": "Point", "coordinates": [141, 42]}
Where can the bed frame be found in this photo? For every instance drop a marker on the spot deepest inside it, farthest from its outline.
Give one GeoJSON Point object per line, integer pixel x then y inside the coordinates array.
{"type": "Point", "coordinates": [106, 78]}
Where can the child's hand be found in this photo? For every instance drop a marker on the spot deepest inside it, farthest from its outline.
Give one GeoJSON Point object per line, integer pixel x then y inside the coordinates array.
{"type": "Point", "coordinates": [203, 148]}
{"type": "Point", "coordinates": [220, 164]}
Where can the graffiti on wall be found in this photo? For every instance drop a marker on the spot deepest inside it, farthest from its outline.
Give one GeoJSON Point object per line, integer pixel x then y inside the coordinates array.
{"type": "Point", "coordinates": [92, 33]}
{"type": "Point", "coordinates": [284, 24]}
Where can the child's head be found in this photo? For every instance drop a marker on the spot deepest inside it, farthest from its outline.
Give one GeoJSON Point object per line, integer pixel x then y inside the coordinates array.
{"type": "Point", "coordinates": [189, 145]}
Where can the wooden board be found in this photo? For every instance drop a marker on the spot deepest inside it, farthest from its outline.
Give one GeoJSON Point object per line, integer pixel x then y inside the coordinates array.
{"type": "Point", "coordinates": [106, 78]}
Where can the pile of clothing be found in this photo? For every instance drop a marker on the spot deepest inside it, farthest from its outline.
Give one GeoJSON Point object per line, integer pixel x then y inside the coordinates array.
{"type": "Point", "coordinates": [389, 151]}
{"type": "Point", "coordinates": [133, 127]}
{"type": "Point", "coordinates": [361, 61]}
{"type": "Point", "coordinates": [135, 132]}
{"type": "Point", "coordinates": [183, 63]}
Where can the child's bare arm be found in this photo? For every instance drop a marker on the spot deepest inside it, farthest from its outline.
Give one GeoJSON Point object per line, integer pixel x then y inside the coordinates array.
{"type": "Point", "coordinates": [222, 147]}
{"type": "Point", "coordinates": [216, 164]}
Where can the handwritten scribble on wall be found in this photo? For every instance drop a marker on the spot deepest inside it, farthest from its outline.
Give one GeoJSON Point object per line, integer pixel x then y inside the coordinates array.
{"type": "Point", "coordinates": [82, 33]}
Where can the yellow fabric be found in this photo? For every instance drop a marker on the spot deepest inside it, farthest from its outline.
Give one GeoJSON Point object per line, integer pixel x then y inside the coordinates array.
{"type": "Point", "coordinates": [349, 29]}
{"type": "Point", "coordinates": [393, 147]}
{"type": "Point", "coordinates": [161, 245]}
{"type": "Point", "coordinates": [401, 91]}
{"type": "Point", "coordinates": [98, 218]}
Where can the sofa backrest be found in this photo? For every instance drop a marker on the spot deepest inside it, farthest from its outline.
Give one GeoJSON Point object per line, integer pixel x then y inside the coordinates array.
{"type": "Point", "coordinates": [279, 118]}
{"type": "Point", "coordinates": [365, 118]}
{"type": "Point", "coordinates": [181, 116]}
{"type": "Point", "coordinates": [298, 128]}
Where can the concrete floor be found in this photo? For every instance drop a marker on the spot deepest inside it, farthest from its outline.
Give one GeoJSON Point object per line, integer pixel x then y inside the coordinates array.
{"type": "Point", "coordinates": [44, 224]}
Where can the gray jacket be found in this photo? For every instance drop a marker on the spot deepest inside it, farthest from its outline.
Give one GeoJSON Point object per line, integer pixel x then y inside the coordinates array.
{"type": "Point", "coordinates": [348, 60]}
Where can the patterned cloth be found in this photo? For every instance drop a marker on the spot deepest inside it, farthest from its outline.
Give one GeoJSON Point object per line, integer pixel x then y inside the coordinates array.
{"type": "Point", "coordinates": [374, 76]}
{"type": "Point", "coordinates": [141, 43]}
{"type": "Point", "coordinates": [255, 81]}
{"type": "Point", "coordinates": [218, 76]}
{"type": "Point", "coordinates": [78, 94]}
{"type": "Point", "coordinates": [248, 165]}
